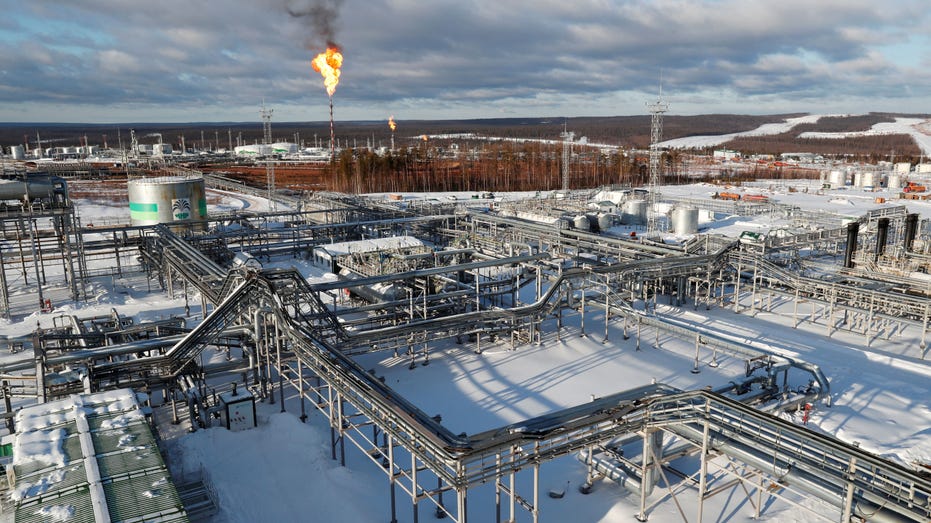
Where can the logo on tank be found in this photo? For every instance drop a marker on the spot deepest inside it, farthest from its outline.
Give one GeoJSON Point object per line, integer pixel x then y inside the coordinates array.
{"type": "Point", "coordinates": [181, 208]}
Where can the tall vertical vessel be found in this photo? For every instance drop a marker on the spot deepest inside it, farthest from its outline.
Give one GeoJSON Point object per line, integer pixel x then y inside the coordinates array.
{"type": "Point", "coordinates": [169, 199]}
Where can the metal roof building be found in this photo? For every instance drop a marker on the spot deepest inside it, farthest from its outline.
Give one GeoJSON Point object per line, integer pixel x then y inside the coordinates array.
{"type": "Point", "coordinates": [90, 458]}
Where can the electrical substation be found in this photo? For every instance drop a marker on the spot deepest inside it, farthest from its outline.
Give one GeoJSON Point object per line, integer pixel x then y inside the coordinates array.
{"type": "Point", "coordinates": [420, 278]}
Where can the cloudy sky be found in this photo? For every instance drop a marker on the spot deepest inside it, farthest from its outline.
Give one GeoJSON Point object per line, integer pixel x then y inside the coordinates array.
{"type": "Point", "coordinates": [198, 60]}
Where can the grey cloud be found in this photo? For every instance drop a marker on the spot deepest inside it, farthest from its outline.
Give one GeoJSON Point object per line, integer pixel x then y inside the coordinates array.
{"type": "Point", "coordinates": [435, 53]}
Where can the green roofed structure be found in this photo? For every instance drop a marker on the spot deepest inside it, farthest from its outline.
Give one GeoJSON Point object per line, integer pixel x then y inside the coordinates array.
{"type": "Point", "coordinates": [90, 458]}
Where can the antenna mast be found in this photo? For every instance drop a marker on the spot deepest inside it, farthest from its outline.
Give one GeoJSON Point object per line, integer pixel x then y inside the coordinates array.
{"type": "Point", "coordinates": [656, 136]}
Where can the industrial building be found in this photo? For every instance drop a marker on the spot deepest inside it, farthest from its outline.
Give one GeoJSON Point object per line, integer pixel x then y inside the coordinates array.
{"type": "Point", "coordinates": [408, 277]}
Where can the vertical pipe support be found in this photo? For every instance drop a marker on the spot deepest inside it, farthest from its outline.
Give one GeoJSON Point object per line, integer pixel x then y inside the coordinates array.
{"type": "Point", "coordinates": [703, 472]}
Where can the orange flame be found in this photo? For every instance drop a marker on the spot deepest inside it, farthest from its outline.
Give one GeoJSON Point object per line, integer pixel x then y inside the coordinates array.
{"type": "Point", "coordinates": [424, 137]}
{"type": "Point", "coordinates": [328, 64]}
{"type": "Point", "coordinates": [391, 124]}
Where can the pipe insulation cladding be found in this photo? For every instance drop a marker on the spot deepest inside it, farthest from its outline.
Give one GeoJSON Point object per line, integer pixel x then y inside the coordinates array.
{"type": "Point", "coordinates": [35, 187]}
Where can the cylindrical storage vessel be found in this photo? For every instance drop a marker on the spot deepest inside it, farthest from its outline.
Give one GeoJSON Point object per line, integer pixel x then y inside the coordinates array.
{"type": "Point", "coordinates": [837, 179]}
{"type": "Point", "coordinates": [169, 199]}
{"type": "Point", "coordinates": [581, 222]}
{"type": "Point", "coordinates": [284, 148]}
{"type": "Point", "coordinates": [684, 220]}
{"type": "Point", "coordinates": [161, 149]}
{"type": "Point", "coordinates": [894, 182]}
{"type": "Point", "coordinates": [634, 212]}
{"type": "Point", "coordinates": [858, 179]}
{"type": "Point", "coordinates": [868, 180]}
{"type": "Point", "coordinates": [17, 152]}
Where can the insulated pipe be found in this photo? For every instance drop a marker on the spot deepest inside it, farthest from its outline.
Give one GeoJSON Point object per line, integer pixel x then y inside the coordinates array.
{"type": "Point", "coordinates": [623, 473]}
{"type": "Point", "coordinates": [911, 230]}
{"type": "Point", "coordinates": [257, 335]}
{"type": "Point", "coordinates": [613, 470]}
{"type": "Point", "coordinates": [852, 229]}
{"type": "Point", "coordinates": [34, 187]}
{"type": "Point", "coordinates": [794, 475]}
{"type": "Point", "coordinates": [882, 231]}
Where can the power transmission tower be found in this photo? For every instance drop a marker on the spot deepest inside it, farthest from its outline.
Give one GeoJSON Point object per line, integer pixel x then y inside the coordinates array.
{"type": "Point", "coordinates": [656, 136]}
{"type": "Point", "coordinates": [567, 137]}
{"type": "Point", "coordinates": [269, 162]}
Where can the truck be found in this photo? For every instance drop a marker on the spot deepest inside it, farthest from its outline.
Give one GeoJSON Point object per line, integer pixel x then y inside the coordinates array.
{"type": "Point", "coordinates": [727, 196]}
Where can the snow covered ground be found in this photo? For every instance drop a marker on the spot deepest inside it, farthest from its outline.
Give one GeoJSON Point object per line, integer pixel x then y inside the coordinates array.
{"type": "Point", "coordinates": [919, 129]}
{"type": "Point", "coordinates": [283, 470]}
{"type": "Point", "coordinates": [766, 129]}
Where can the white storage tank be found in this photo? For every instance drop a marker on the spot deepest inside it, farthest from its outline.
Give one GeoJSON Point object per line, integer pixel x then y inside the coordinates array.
{"type": "Point", "coordinates": [581, 222]}
{"type": "Point", "coordinates": [634, 212]}
{"type": "Point", "coordinates": [858, 179]}
{"type": "Point", "coordinates": [868, 180]}
{"type": "Point", "coordinates": [837, 179]}
{"type": "Point", "coordinates": [284, 148]}
{"type": "Point", "coordinates": [17, 152]}
{"type": "Point", "coordinates": [161, 149]}
{"type": "Point", "coordinates": [168, 199]}
{"type": "Point", "coordinates": [253, 150]}
{"type": "Point", "coordinates": [894, 181]}
{"type": "Point", "coordinates": [923, 168]}
{"type": "Point", "coordinates": [684, 220]}
{"type": "Point", "coordinates": [903, 167]}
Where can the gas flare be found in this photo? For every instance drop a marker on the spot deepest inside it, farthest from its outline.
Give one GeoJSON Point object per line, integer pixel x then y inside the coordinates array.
{"type": "Point", "coordinates": [391, 124]}
{"type": "Point", "coordinates": [328, 64]}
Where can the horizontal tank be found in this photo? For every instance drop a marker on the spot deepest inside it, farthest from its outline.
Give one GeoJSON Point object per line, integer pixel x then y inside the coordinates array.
{"type": "Point", "coordinates": [605, 221]}
{"type": "Point", "coordinates": [168, 199]}
{"type": "Point", "coordinates": [581, 222]}
{"type": "Point", "coordinates": [684, 220]}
